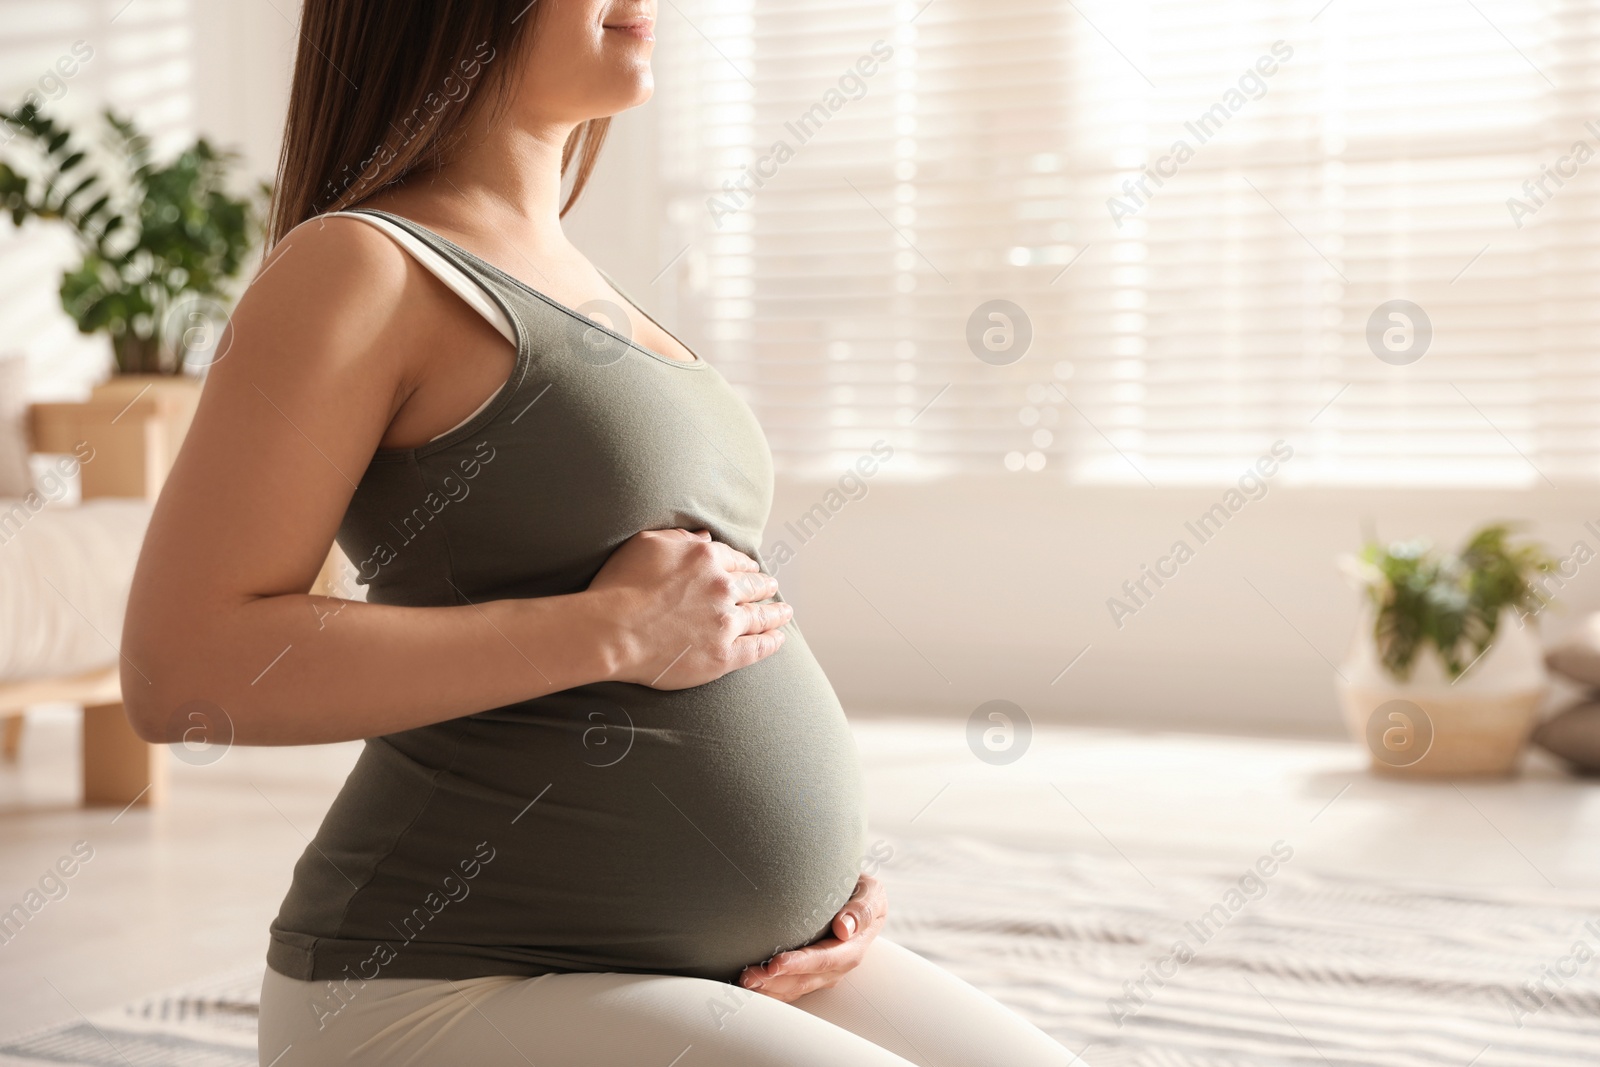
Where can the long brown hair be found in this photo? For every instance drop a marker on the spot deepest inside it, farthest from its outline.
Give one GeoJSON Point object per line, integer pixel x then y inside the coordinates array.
{"type": "Point", "coordinates": [383, 88]}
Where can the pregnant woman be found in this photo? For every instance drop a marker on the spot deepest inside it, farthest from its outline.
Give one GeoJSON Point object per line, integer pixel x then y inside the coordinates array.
{"type": "Point", "coordinates": [608, 813]}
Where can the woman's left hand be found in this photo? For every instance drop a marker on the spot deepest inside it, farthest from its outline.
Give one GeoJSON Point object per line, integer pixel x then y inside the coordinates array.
{"type": "Point", "coordinates": [824, 963]}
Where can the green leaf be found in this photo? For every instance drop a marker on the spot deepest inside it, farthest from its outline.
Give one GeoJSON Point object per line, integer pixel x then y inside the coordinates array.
{"type": "Point", "coordinates": [94, 209]}
{"type": "Point", "coordinates": [1451, 602]}
{"type": "Point", "coordinates": [72, 195]}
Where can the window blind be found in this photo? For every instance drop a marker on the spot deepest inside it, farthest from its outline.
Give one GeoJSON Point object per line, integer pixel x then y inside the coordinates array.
{"type": "Point", "coordinates": [1204, 211]}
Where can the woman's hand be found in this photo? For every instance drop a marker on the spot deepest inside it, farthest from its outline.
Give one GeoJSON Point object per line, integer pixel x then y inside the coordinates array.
{"type": "Point", "coordinates": [686, 609]}
{"type": "Point", "coordinates": [824, 963]}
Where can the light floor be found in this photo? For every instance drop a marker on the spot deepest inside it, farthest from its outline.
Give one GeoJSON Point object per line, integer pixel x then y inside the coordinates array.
{"type": "Point", "coordinates": [186, 892]}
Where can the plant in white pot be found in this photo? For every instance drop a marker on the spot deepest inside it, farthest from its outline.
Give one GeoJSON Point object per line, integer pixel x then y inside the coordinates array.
{"type": "Point", "coordinates": [1444, 678]}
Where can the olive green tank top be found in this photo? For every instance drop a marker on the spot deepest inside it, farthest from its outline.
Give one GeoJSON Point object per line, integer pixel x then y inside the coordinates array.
{"type": "Point", "coordinates": [610, 827]}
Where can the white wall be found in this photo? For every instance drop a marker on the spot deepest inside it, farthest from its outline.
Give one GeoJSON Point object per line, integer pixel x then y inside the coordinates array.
{"type": "Point", "coordinates": [996, 585]}
{"type": "Point", "coordinates": [244, 58]}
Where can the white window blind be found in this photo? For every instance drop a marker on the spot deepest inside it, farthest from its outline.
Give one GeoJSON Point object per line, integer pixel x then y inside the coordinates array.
{"type": "Point", "coordinates": [1338, 159]}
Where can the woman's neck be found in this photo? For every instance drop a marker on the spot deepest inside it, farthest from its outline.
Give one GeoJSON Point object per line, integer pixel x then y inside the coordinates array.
{"type": "Point", "coordinates": [512, 174]}
{"type": "Point", "coordinates": [506, 179]}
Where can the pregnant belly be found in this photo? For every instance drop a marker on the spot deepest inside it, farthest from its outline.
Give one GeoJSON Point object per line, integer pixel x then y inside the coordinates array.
{"type": "Point", "coordinates": [693, 832]}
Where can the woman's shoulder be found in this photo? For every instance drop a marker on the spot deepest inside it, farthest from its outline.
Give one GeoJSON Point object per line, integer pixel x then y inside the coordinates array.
{"type": "Point", "coordinates": [341, 251]}
{"type": "Point", "coordinates": [335, 283]}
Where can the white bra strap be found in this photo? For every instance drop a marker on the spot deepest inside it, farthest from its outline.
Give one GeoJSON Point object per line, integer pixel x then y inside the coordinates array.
{"type": "Point", "coordinates": [458, 281]}
{"type": "Point", "coordinates": [453, 277]}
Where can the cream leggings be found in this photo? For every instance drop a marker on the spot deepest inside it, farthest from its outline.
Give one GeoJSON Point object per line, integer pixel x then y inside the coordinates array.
{"type": "Point", "coordinates": [895, 1009]}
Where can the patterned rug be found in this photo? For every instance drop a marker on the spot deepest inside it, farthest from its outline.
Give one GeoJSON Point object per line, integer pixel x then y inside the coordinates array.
{"type": "Point", "coordinates": [209, 1024]}
{"type": "Point", "coordinates": [1151, 967]}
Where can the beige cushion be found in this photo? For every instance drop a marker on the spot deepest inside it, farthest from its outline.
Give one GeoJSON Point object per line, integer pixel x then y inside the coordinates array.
{"type": "Point", "coordinates": [15, 480]}
{"type": "Point", "coordinates": [1578, 655]}
{"type": "Point", "coordinates": [1574, 735]}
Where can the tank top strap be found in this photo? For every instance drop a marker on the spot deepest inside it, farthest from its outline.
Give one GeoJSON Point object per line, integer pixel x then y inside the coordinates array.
{"type": "Point", "coordinates": [451, 265]}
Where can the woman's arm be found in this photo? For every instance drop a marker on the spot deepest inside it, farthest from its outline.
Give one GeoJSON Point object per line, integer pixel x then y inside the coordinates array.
{"type": "Point", "coordinates": [322, 352]}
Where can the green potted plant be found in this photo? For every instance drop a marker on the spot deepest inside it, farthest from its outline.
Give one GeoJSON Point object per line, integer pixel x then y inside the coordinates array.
{"type": "Point", "coordinates": [1446, 675]}
{"type": "Point", "coordinates": [162, 243]}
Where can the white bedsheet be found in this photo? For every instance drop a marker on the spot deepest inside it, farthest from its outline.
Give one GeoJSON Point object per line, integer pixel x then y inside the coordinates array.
{"type": "Point", "coordinates": [64, 577]}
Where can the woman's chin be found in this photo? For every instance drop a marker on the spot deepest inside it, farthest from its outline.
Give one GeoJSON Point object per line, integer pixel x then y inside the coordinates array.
{"type": "Point", "coordinates": [636, 88]}
{"type": "Point", "coordinates": [642, 81]}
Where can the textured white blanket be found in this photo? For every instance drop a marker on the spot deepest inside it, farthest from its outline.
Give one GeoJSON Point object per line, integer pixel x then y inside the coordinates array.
{"type": "Point", "coordinates": [1293, 970]}
{"type": "Point", "coordinates": [64, 577]}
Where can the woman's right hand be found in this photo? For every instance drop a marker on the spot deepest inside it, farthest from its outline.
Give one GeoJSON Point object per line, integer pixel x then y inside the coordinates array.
{"type": "Point", "coordinates": [686, 609]}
